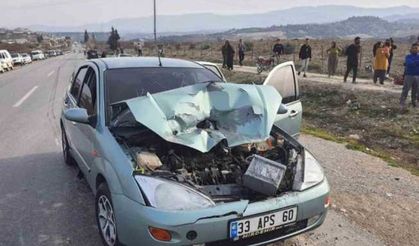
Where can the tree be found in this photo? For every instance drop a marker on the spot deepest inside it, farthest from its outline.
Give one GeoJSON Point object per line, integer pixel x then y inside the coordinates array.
{"type": "Point", "coordinates": [86, 36]}
{"type": "Point", "coordinates": [113, 39]}
{"type": "Point", "coordinates": [40, 38]}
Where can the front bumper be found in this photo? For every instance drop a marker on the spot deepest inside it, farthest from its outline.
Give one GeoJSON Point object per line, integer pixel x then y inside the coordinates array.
{"type": "Point", "coordinates": [133, 220]}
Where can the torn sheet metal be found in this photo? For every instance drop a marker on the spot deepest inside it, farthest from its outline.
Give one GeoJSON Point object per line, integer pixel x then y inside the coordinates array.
{"type": "Point", "coordinates": [202, 115]}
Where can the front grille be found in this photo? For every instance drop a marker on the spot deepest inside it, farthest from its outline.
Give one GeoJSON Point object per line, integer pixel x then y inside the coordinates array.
{"type": "Point", "coordinates": [264, 237]}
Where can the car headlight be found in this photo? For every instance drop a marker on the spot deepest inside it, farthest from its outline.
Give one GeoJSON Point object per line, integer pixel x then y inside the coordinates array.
{"type": "Point", "coordinates": [309, 172]}
{"type": "Point", "coordinates": [168, 195]}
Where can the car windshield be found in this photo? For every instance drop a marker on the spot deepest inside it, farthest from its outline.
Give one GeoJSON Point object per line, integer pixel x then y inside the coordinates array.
{"type": "Point", "coordinates": [127, 83]}
{"type": "Point", "coordinates": [14, 55]}
{"type": "Point", "coordinates": [36, 52]}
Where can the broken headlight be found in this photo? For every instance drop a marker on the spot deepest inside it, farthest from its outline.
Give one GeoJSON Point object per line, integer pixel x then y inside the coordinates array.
{"type": "Point", "coordinates": [168, 195]}
{"type": "Point", "coordinates": [309, 173]}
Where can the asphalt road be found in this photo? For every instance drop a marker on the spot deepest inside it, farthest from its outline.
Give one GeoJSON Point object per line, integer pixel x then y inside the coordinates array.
{"type": "Point", "coordinates": [42, 202]}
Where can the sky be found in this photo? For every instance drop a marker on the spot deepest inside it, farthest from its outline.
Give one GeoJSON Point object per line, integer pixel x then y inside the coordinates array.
{"type": "Point", "coordinates": [18, 13]}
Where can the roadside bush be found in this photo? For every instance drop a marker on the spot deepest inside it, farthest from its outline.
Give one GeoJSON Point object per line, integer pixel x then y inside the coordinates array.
{"type": "Point", "coordinates": [205, 46]}
{"type": "Point", "coordinates": [289, 49]}
{"type": "Point", "coordinates": [248, 45]}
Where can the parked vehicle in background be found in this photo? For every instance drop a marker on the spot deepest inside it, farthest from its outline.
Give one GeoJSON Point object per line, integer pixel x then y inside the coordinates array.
{"type": "Point", "coordinates": [37, 55]}
{"type": "Point", "coordinates": [17, 59]}
{"type": "Point", "coordinates": [92, 54]}
{"type": "Point", "coordinates": [1, 67]}
{"type": "Point", "coordinates": [26, 58]}
{"type": "Point", "coordinates": [60, 53]}
{"type": "Point", "coordinates": [51, 53]}
{"type": "Point", "coordinates": [7, 60]}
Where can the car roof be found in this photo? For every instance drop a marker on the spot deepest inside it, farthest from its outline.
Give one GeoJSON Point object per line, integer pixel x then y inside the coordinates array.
{"type": "Point", "coordinates": [134, 62]}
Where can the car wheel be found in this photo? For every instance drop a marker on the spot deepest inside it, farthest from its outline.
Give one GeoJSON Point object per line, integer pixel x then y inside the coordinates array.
{"type": "Point", "coordinates": [68, 159]}
{"type": "Point", "coordinates": [105, 216]}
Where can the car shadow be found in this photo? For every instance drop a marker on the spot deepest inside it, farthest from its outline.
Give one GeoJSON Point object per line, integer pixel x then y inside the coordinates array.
{"type": "Point", "coordinates": [43, 202]}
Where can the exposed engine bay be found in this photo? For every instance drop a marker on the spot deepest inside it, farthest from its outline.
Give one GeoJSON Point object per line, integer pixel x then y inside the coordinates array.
{"type": "Point", "coordinates": [251, 171]}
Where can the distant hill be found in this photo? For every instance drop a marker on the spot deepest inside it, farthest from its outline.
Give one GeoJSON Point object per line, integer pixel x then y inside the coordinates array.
{"type": "Point", "coordinates": [366, 26]}
{"type": "Point", "coordinates": [205, 22]}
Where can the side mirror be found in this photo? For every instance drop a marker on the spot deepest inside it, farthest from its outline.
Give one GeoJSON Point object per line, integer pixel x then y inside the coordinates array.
{"type": "Point", "coordinates": [282, 109]}
{"type": "Point", "coordinates": [78, 115]}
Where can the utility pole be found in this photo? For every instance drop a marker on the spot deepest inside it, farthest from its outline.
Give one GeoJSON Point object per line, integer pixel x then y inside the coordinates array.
{"type": "Point", "coordinates": [155, 20]}
{"type": "Point", "coordinates": [155, 34]}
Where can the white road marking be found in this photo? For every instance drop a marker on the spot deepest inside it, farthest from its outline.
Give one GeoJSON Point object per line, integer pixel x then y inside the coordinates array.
{"type": "Point", "coordinates": [25, 97]}
{"type": "Point", "coordinates": [51, 73]}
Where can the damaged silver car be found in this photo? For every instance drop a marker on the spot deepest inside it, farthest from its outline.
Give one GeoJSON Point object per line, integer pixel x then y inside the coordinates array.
{"type": "Point", "coordinates": [177, 156]}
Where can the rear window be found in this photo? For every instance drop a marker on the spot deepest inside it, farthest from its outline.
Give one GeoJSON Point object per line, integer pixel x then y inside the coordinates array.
{"type": "Point", "coordinates": [127, 83]}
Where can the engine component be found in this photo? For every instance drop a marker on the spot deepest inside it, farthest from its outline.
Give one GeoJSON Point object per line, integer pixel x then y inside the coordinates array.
{"type": "Point", "coordinates": [264, 175]}
{"type": "Point", "coordinates": [147, 160]}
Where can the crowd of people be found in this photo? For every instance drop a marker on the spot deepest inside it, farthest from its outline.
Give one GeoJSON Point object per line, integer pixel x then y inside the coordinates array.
{"type": "Point", "coordinates": [383, 52]}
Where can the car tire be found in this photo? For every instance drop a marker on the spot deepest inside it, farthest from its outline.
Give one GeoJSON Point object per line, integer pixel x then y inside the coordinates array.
{"type": "Point", "coordinates": [105, 216]}
{"type": "Point", "coordinates": [68, 159]}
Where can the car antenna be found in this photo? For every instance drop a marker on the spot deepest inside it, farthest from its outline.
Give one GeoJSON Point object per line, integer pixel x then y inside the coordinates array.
{"type": "Point", "coordinates": [155, 34]}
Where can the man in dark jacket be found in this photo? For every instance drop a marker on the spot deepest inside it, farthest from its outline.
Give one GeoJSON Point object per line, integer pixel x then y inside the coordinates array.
{"type": "Point", "coordinates": [411, 78]}
{"type": "Point", "coordinates": [390, 43]}
{"type": "Point", "coordinates": [278, 50]}
{"type": "Point", "coordinates": [241, 47]}
{"type": "Point", "coordinates": [352, 52]}
{"type": "Point", "coordinates": [305, 57]}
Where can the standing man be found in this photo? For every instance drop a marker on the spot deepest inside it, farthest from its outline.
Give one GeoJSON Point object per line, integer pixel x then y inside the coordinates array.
{"type": "Point", "coordinates": [411, 78]}
{"type": "Point", "coordinates": [278, 50]}
{"type": "Point", "coordinates": [392, 47]}
{"type": "Point", "coordinates": [224, 53]}
{"type": "Point", "coordinates": [352, 52]}
{"type": "Point", "coordinates": [333, 60]}
{"type": "Point", "coordinates": [241, 49]}
{"type": "Point", "coordinates": [305, 57]}
{"type": "Point", "coordinates": [382, 55]}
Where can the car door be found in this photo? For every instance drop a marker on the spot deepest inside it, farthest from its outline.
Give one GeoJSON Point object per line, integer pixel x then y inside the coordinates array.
{"type": "Point", "coordinates": [86, 133]}
{"type": "Point", "coordinates": [72, 130]}
{"type": "Point", "coordinates": [284, 79]}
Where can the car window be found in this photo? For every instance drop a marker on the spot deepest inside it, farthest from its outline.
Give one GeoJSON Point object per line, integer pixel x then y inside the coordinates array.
{"type": "Point", "coordinates": [127, 83]}
{"type": "Point", "coordinates": [78, 81]}
{"type": "Point", "coordinates": [88, 93]}
{"type": "Point", "coordinates": [214, 69]}
{"type": "Point", "coordinates": [284, 81]}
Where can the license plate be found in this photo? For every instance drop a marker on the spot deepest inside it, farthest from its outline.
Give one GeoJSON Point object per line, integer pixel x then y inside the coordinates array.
{"type": "Point", "coordinates": [253, 226]}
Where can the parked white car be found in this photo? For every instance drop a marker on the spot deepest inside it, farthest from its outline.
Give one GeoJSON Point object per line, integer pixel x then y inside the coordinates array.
{"type": "Point", "coordinates": [26, 58]}
{"type": "Point", "coordinates": [17, 59]}
{"type": "Point", "coordinates": [37, 55]}
{"type": "Point", "coordinates": [6, 60]}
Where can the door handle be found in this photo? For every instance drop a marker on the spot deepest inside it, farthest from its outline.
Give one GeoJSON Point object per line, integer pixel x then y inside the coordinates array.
{"type": "Point", "coordinates": [293, 114]}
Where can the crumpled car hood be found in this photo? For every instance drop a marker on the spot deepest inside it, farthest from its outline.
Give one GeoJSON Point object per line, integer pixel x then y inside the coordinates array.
{"type": "Point", "coordinates": [238, 113]}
